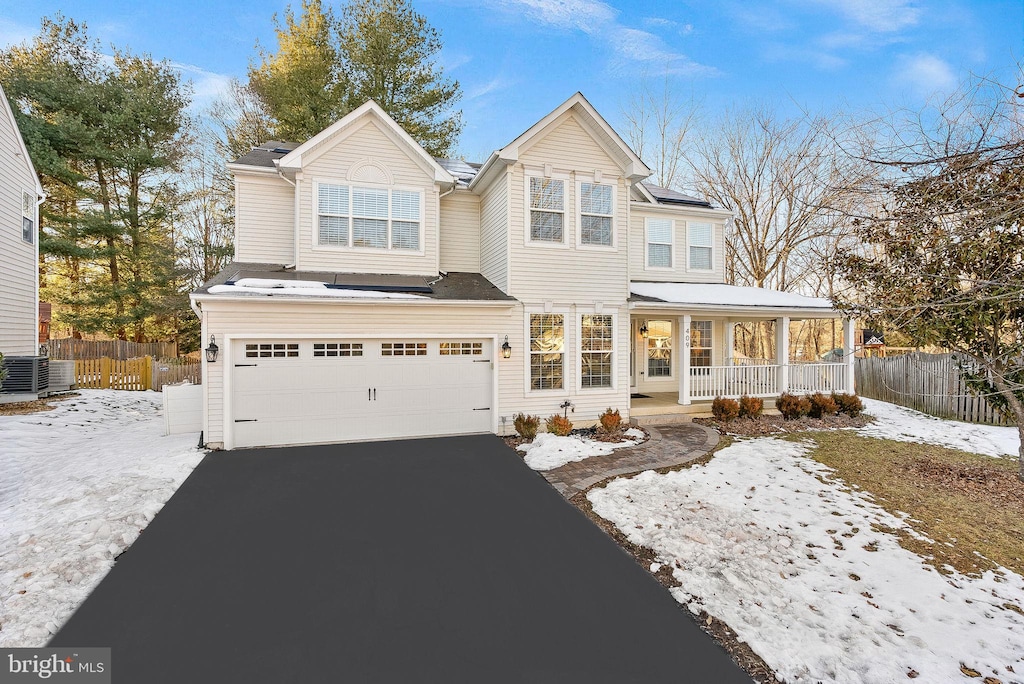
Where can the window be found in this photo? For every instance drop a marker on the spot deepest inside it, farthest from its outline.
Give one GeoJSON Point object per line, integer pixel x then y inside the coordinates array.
{"type": "Point", "coordinates": [700, 344]}
{"type": "Point", "coordinates": [659, 349]}
{"type": "Point", "coordinates": [28, 216]}
{"type": "Point", "coordinates": [547, 209]}
{"type": "Point", "coordinates": [272, 350]}
{"type": "Point", "coordinates": [332, 208]}
{"type": "Point", "coordinates": [698, 238]}
{"type": "Point", "coordinates": [659, 243]}
{"type": "Point", "coordinates": [337, 349]}
{"type": "Point", "coordinates": [595, 214]}
{"type": "Point", "coordinates": [597, 334]}
{"type": "Point", "coordinates": [368, 217]}
{"type": "Point", "coordinates": [547, 350]}
{"type": "Point", "coordinates": [462, 348]}
{"type": "Point", "coordinates": [403, 349]}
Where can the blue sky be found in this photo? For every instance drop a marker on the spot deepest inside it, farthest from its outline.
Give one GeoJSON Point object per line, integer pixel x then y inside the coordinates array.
{"type": "Point", "coordinates": [518, 59]}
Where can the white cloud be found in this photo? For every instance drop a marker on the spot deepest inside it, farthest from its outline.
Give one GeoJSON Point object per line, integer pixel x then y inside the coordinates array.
{"type": "Point", "coordinates": [600, 20]}
{"type": "Point", "coordinates": [924, 74]}
{"type": "Point", "coordinates": [588, 16]}
{"type": "Point", "coordinates": [495, 84]}
{"type": "Point", "coordinates": [207, 86]}
{"type": "Point", "coordinates": [883, 16]}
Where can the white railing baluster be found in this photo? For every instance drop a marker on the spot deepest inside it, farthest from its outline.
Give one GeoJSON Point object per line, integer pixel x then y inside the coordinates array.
{"type": "Point", "coordinates": [708, 382]}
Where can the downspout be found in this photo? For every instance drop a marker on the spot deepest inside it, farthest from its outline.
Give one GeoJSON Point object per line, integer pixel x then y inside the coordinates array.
{"type": "Point", "coordinates": [437, 233]}
{"type": "Point", "coordinates": [295, 213]}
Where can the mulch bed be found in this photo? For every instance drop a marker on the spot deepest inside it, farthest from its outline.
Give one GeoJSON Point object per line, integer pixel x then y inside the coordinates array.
{"type": "Point", "coordinates": [767, 425]}
{"type": "Point", "coordinates": [25, 407]}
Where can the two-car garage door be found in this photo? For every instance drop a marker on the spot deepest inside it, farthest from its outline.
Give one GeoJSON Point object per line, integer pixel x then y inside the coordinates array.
{"type": "Point", "coordinates": [302, 391]}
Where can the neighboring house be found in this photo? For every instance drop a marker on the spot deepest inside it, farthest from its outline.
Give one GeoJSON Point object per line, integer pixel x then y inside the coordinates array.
{"type": "Point", "coordinates": [20, 195]}
{"type": "Point", "coordinates": [379, 293]}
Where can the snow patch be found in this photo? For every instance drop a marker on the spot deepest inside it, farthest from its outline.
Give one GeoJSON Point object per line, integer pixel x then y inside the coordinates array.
{"type": "Point", "coordinates": [78, 484]}
{"type": "Point", "coordinates": [726, 295]}
{"type": "Point", "coordinates": [307, 289]}
{"type": "Point", "coordinates": [766, 540]}
{"type": "Point", "coordinates": [549, 451]}
{"type": "Point", "coordinates": [907, 425]}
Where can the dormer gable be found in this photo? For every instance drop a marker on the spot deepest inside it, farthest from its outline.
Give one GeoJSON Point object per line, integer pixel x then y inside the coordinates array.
{"type": "Point", "coordinates": [579, 109]}
{"type": "Point", "coordinates": [306, 153]}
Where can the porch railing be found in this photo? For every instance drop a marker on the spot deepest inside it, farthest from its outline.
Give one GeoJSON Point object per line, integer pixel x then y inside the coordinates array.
{"type": "Point", "coordinates": [708, 382]}
{"type": "Point", "coordinates": [808, 378]}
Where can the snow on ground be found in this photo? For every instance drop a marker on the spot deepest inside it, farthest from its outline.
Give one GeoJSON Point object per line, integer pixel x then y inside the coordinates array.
{"type": "Point", "coordinates": [907, 425]}
{"type": "Point", "coordinates": [77, 485]}
{"type": "Point", "coordinates": [740, 533]}
{"type": "Point", "coordinates": [549, 451]}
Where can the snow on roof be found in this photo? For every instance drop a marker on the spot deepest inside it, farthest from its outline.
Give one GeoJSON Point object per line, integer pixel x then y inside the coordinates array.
{"type": "Point", "coordinates": [715, 294]}
{"type": "Point", "coordinates": [303, 288]}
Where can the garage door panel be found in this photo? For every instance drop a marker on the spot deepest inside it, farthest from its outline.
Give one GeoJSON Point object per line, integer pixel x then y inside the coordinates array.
{"type": "Point", "coordinates": [345, 391]}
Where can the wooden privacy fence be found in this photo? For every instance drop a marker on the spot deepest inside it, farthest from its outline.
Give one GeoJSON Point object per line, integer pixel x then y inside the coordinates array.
{"type": "Point", "coordinates": [134, 374]}
{"type": "Point", "coordinates": [930, 383]}
{"type": "Point", "coordinates": [121, 350]}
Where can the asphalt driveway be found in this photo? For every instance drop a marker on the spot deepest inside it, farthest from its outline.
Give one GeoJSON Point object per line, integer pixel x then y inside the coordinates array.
{"type": "Point", "coordinates": [440, 560]}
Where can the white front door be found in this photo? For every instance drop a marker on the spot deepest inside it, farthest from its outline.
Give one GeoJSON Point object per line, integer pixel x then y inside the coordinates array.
{"type": "Point", "coordinates": [313, 391]}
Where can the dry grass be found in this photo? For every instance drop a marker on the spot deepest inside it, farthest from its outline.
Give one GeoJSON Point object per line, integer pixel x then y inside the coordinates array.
{"type": "Point", "coordinates": [971, 505]}
{"type": "Point", "coordinates": [24, 407]}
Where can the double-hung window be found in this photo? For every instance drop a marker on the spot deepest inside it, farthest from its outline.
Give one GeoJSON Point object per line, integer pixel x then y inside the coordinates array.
{"type": "Point", "coordinates": [596, 342]}
{"type": "Point", "coordinates": [700, 344]}
{"type": "Point", "coordinates": [596, 214]}
{"type": "Point", "coordinates": [659, 243]}
{"type": "Point", "coordinates": [698, 238]}
{"type": "Point", "coordinates": [547, 209]}
{"type": "Point", "coordinates": [375, 218]}
{"type": "Point", "coordinates": [547, 351]}
{"type": "Point", "coordinates": [28, 218]}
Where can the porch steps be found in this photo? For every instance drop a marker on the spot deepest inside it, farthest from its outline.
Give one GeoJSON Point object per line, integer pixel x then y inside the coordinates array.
{"type": "Point", "coordinates": [663, 419]}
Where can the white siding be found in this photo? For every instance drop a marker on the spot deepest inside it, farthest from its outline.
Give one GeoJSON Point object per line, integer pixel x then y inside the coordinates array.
{"type": "Point", "coordinates": [494, 233]}
{"type": "Point", "coordinates": [264, 220]}
{"type": "Point", "coordinates": [367, 148]}
{"type": "Point", "coordinates": [460, 232]}
{"type": "Point", "coordinates": [680, 271]}
{"type": "Point", "coordinates": [305, 320]}
{"type": "Point", "coordinates": [19, 265]}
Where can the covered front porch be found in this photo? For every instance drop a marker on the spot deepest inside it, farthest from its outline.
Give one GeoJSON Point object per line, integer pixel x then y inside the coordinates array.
{"type": "Point", "coordinates": [685, 353]}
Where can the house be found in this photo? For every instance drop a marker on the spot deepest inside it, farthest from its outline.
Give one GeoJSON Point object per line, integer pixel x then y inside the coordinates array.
{"type": "Point", "coordinates": [20, 195]}
{"type": "Point", "coordinates": [378, 292]}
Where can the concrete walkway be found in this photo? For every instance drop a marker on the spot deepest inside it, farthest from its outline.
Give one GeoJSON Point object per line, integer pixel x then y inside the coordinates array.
{"type": "Point", "coordinates": [669, 445]}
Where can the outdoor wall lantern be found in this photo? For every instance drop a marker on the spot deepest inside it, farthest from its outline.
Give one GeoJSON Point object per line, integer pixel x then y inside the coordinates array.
{"type": "Point", "coordinates": [643, 329]}
{"type": "Point", "coordinates": [506, 349]}
{"type": "Point", "coordinates": [212, 350]}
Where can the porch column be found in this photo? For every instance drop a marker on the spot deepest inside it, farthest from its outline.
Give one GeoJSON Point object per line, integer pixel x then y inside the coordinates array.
{"type": "Point", "coordinates": [782, 351]}
{"type": "Point", "coordinates": [684, 360]}
{"type": "Point", "coordinates": [848, 354]}
{"type": "Point", "coordinates": [730, 341]}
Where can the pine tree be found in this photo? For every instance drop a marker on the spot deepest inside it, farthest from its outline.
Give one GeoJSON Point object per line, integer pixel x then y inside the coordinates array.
{"type": "Point", "coordinates": [389, 54]}
{"type": "Point", "coordinates": [301, 85]}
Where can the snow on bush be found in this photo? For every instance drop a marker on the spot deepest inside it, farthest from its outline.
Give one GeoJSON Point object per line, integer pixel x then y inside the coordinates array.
{"type": "Point", "coordinates": [764, 539]}
{"type": "Point", "coordinates": [549, 451]}
{"type": "Point", "coordinates": [907, 425]}
{"type": "Point", "coordinates": [78, 484]}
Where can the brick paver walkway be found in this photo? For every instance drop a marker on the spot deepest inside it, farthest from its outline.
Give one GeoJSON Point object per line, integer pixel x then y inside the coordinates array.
{"type": "Point", "coordinates": [669, 445]}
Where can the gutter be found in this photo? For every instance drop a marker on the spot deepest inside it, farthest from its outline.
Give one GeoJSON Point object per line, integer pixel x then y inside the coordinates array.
{"type": "Point", "coordinates": [363, 301]}
{"type": "Point", "coordinates": [736, 308]}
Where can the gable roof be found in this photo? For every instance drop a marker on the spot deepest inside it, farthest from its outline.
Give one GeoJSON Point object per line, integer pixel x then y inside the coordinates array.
{"type": "Point", "coordinates": [266, 154]}
{"type": "Point", "coordinates": [604, 134]}
{"type": "Point", "coordinates": [294, 158]}
{"type": "Point", "coordinates": [21, 142]}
